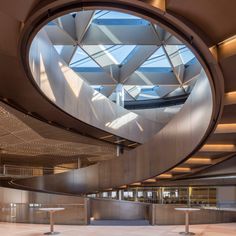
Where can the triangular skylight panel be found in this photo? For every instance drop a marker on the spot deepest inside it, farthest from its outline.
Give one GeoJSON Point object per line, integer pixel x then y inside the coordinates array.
{"type": "Point", "coordinates": [58, 48]}
{"type": "Point", "coordinates": [118, 53]}
{"type": "Point", "coordinates": [133, 90]}
{"type": "Point", "coordinates": [177, 92]}
{"type": "Point", "coordinates": [185, 54]}
{"type": "Point", "coordinates": [148, 92]}
{"type": "Point", "coordinates": [81, 59]}
{"type": "Point", "coordinates": [158, 59]}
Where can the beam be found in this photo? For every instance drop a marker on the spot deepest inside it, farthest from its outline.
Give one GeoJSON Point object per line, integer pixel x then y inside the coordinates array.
{"type": "Point", "coordinates": [115, 34]}
{"type": "Point", "coordinates": [83, 20]}
{"type": "Point", "coordinates": [108, 90]}
{"type": "Point", "coordinates": [175, 61]}
{"type": "Point", "coordinates": [145, 77]}
{"type": "Point", "coordinates": [104, 59]}
{"type": "Point", "coordinates": [135, 59]}
{"type": "Point", "coordinates": [95, 77]}
{"type": "Point", "coordinates": [192, 71]}
{"type": "Point", "coordinates": [67, 53]}
{"type": "Point", "coordinates": [67, 24]}
{"type": "Point", "coordinates": [58, 36]}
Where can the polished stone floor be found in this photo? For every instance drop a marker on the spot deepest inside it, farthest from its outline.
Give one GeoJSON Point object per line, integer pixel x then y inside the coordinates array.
{"type": "Point", "coordinates": [12, 229]}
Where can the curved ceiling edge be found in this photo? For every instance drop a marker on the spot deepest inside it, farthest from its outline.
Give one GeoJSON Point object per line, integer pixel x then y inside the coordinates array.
{"type": "Point", "coordinates": [49, 10]}
{"type": "Point", "coordinates": [183, 134]}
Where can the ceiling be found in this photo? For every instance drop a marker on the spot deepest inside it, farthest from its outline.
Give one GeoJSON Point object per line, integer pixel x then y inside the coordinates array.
{"type": "Point", "coordinates": [28, 141]}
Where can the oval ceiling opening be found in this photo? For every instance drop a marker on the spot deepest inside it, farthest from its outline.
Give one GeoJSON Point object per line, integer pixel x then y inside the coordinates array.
{"type": "Point", "coordinates": [133, 62]}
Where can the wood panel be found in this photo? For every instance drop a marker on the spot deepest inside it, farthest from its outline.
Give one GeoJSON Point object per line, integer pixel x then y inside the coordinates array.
{"type": "Point", "coordinates": [75, 207]}
{"type": "Point", "coordinates": [105, 209]}
{"type": "Point", "coordinates": [170, 146]}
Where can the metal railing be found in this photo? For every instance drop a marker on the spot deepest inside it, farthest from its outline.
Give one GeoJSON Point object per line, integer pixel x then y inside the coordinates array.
{"type": "Point", "coordinates": [192, 196]}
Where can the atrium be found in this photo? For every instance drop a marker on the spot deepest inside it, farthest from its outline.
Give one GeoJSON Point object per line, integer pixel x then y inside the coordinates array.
{"type": "Point", "coordinates": [119, 114]}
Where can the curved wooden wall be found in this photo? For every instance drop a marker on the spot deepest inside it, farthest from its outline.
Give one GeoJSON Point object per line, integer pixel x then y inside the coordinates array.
{"type": "Point", "coordinates": [175, 142]}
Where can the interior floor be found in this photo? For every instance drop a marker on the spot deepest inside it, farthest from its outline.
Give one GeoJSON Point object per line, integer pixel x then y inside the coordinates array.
{"type": "Point", "coordinates": [13, 229]}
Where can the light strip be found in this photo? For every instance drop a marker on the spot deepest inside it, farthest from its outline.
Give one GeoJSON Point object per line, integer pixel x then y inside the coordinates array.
{"type": "Point", "coordinates": [132, 144]}
{"type": "Point", "coordinates": [108, 189]}
{"type": "Point", "coordinates": [123, 186]}
{"type": "Point", "coordinates": [107, 136]}
{"type": "Point", "coordinates": [120, 141]}
{"type": "Point", "coordinates": [150, 181]}
{"type": "Point", "coordinates": [138, 183]}
{"type": "Point", "coordinates": [161, 4]}
{"type": "Point", "coordinates": [226, 48]}
{"type": "Point", "coordinates": [230, 98]}
{"type": "Point", "coordinates": [164, 176]}
{"type": "Point", "coordinates": [226, 128]}
{"type": "Point", "coordinates": [228, 40]}
{"type": "Point", "coordinates": [181, 169]}
{"type": "Point", "coordinates": [198, 160]}
{"type": "Point", "coordinates": [218, 148]}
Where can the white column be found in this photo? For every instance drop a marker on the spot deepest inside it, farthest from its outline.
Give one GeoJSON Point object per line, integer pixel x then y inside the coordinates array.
{"type": "Point", "coordinates": [120, 94]}
{"type": "Point", "coordinates": [120, 194]}
{"type": "Point", "coordinates": [136, 195]}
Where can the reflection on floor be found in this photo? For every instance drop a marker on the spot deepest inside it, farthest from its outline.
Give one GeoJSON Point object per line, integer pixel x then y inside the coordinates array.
{"type": "Point", "coordinates": [11, 229]}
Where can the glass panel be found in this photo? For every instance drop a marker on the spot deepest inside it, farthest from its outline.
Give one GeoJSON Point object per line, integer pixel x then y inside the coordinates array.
{"type": "Point", "coordinates": [158, 59]}
{"type": "Point", "coordinates": [58, 48]}
{"type": "Point", "coordinates": [118, 52]}
{"type": "Point", "coordinates": [103, 14]}
{"type": "Point", "coordinates": [185, 54]}
{"type": "Point", "coordinates": [148, 92]}
{"type": "Point", "coordinates": [81, 59]}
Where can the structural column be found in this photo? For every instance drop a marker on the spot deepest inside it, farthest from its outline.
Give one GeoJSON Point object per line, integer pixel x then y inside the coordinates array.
{"type": "Point", "coordinates": [120, 94]}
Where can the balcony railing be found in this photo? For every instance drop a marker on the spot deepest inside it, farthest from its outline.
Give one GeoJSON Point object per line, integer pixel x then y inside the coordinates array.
{"type": "Point", "coordinates": [29, 171]}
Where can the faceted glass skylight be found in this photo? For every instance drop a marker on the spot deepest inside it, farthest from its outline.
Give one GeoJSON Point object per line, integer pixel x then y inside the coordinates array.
{"type": "Point", "coordinates": [109, 48]}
